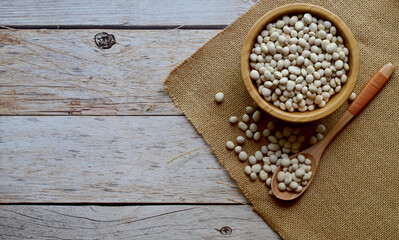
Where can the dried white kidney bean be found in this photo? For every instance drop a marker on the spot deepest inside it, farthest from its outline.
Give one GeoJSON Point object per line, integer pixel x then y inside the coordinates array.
{"type": "Point", "coordinates": [253, 176]}
{"type": "Point", "coordinates": [256, 136]}
{"type": "Point", "coordinates": [248, 170]}
{"type": "Point", "coordinates": [238, 149]}
{"type": "Point", "coordinates": [243, 156]}
{"type": "Point", "coordinates": [249, 133]}
{"type": "Point", "coordinates": [240, 139]}
{"type": "Point", "coordinates": [233, 119]}
{"type": "Point", "coordinates": [352, 96]}
{"type": "Point", "coordinates": [219, 97]}
{"type": "Point", "coordinates": [320, 128]}
{"type": "Point", "coordinates": [243, 126]}
{"type": "Point", "coordinates": [245, 118]}
{"type": "Point", "coordinates": [230, 145]}
{"type": "Point", "coordinates": [256, 116]}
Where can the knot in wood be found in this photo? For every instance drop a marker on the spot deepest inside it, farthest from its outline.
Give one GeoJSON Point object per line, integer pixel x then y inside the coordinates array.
{"type": "Point", "coordinates": [226, 230]}
{"type": "Point", "coordinates": [104, 40]}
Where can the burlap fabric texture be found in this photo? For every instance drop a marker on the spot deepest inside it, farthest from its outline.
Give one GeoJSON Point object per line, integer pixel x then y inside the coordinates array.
{"type": "Point", "coordinates": [354, 194]}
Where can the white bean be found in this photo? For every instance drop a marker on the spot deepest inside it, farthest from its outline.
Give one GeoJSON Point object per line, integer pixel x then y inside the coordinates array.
{"type": "Point", "coordinates": [253, 176]}
{"type": "Point", "coordinates": [220, 96]}
{"type": "Point", "coordinates": [252, 160]}
{"type": "Point", "coordinates": [256, 136]}
{"type": "Point", "coordinates": [285, 162]}
{"type": "Point", "coordinates": [230, 145]}
{"type": "Point", "coordinates": [249, 133]}
{"type": "Point", "coordinates": [256, 168]}
{"type": "Point", "coordinates": [243, 156]}
{"type": "Point", "coordinates": [245, 118]}
{"type": "Point", "coordinates": [299, 25]}
{"type": "Point", "coordinates": [352, 96]}
{"type": "Point", "coordinates": [312, 140]}
{"type": "Point", "coordinates": [308, 161]}
{"type": "Point", "coordinates": [294, 185]}
{"type": "Point", "coordinates": [258, 155]}
{"type": "Point", "coordinates": [320, 128]}
{"type": "Point", "coordinates": [253, 127]}
{"type": "Point", "coordinates": [299, 189]}
{"type": "Point", "coordinates": [263, 175]}
{"type": "Point", "coordinates": [287, 179]}
{"type": "Point", "coordinates": [266, 132]}
{"type": "Point", "coordinates": [233, 119]}
{"type": "Point", "coordinates": [240, 139]}
{"type": "Point", "coordinates": [248, 170]}
{"type": "Point", "coordinates": [268, 182]}
{"type": "Point", "coordinates": [280, 176]}
{"type": "Point", "coordinates": [319, 136]}
{"type": "Point", "coordinates": [243, 126]}
{"type": "Point", "coordinates": [249, 109]}
{"type": "Point", "coordinates": [256, 116]}
{"type": "Point", "coordinates": [238, 149]}
{"type": "Point", "coordinates": [300, 172]}
{"type": "Point", "coordinates": [281, 186]}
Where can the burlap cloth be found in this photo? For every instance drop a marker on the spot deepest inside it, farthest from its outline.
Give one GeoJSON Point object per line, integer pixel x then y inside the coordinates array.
{"type": "Point", "coordinates": [354, 194]}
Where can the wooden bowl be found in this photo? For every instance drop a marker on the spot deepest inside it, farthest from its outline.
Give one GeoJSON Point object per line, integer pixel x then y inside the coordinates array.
{"type": "Point", "coordinates": [335, 101]}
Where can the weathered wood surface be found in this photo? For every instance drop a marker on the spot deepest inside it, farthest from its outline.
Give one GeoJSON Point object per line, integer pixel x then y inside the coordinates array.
{"type": "Point", "coordinates": [108, 159]}
{"type": "Point", "coordinates": [132, 222]}
{"type": "Point", "coordinates": [52, 72]}
{"type": "Point", "coordinates": [122, 12]}
{"type": "Point", "coordinates": [111, 160]}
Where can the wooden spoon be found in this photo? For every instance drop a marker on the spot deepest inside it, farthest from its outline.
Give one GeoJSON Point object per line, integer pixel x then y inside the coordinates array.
{"type": "Point", "coordinates": [372, 87]}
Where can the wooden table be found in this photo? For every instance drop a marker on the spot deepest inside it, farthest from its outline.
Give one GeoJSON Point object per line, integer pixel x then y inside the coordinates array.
{"type": "Point", "coordinates": [87, 134]}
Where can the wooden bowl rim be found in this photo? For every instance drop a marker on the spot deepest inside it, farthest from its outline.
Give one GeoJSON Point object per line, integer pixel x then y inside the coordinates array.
{"type": "Point", "coordinates": [338, 99]}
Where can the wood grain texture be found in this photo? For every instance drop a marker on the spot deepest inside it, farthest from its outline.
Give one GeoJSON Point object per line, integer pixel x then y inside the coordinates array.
{"type": "Point", "coordinates": [64, 73]}
{"type": "Point", "coordinates": [108, 159]}
{"type": "Point", "coordinates": [122, 12]}
{"type": "Point", "coordinates": [132, 222]}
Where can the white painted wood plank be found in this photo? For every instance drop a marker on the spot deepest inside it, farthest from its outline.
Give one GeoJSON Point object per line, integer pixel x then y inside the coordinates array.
{"type": "Point", "coordinates": [65, 73]}
{"type": "Point", "coordinates": [122, 12]}
{"type": "Point", "coordinates": [132, 222]}
{"type": "Point", "coordinates": [108, 159]}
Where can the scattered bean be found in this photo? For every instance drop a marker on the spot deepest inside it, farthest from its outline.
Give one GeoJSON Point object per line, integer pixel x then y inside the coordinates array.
{"type": "Point", "coordinates": [256, 136]}
{"type": "Point", "coordinates": [243, 156]}
{"type": "Point", "coordinates": [230, 145]}
{"type": "Point", "coordinates": [219, 97]}
{"type": "Point", "coordinates": [233, 119]}
{"type": "Point", "coordinates": [253, 176]}
{"type": "Point", "coordinates": [352, 96]}
{"type": "Point", "coordinates": [249, 133]}
{"type": "Point", "coordinates": [243, 126]}
{"type": "Point", "coordinates": [238, 149]}
{"type": "Point", "coordinates": [240, 139]}
{"type": "Point", "coordinates": [248, 170]}
{"type": "Point", "coordinates": [245, 118]}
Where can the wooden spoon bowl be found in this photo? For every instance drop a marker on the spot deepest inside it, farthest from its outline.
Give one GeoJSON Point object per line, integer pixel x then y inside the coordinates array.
{"type": "Point", "coordinates": [335, 101]}
{"type": "Point", "coordinates": [286, 195]}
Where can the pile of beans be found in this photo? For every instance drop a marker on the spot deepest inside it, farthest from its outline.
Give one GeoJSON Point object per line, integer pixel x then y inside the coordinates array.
{"type": "Point", "coordinates": [299, 62]}
{"type": "Point", "coordinates": [279, 143]}
{"type": "Point", "coordinates": [295, 174]}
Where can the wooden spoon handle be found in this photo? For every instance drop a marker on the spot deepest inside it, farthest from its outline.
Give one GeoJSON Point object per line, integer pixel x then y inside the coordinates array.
{"type": "Point", "coordinates": [372, 87]}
